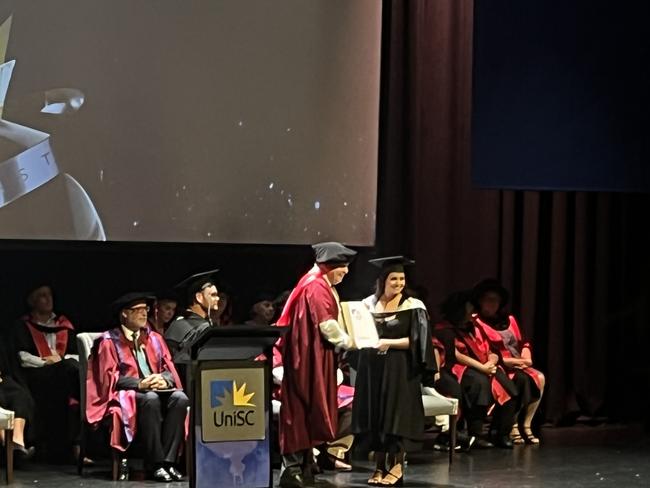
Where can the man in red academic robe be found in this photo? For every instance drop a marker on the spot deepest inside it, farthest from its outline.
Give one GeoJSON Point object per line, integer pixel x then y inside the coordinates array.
{"type": "Point", "coordinates": [132, 380]}
{"type": "Point", "coordinates": [309, 412]}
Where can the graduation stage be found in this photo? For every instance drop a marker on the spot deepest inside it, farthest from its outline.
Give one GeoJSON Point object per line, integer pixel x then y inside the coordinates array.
{"type": "Point", "coordinates": [603, 456]}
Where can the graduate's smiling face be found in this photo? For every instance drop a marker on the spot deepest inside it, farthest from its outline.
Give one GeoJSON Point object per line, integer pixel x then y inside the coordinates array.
{"type": "Point", "coordinates": [394, 284]}
{"type": "Point", "coordinates": [134, 316]}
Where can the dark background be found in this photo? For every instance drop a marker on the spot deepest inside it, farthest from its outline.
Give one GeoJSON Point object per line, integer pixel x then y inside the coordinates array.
{"type": "Point", "coordinates": [561, 95]}
{"type": "Point", "coordinates": [575, 262]}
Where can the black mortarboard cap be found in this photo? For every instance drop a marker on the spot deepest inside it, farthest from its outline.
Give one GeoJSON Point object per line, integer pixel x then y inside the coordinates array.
{"type": "Point", "coordinates": [392, 263]}
{"type": "Point", "coordinates": [129, 299]}
{"type": "Point", "coordinates": [167, 294]}
{"type": "Point", "coordinates": [197, 282]}
{"type": "Point", "coordinates": [333, 253]}
{"type": "Point", "coordinates": [490, 284]}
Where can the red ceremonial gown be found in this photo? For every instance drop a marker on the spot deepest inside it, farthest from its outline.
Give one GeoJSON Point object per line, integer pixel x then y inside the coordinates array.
{"type": "Point", "coordinates": [309, 412]}
{"type": "Point", "coordinates": [111, 357]}
{"type": "Point", "coordinates": [497, 344]}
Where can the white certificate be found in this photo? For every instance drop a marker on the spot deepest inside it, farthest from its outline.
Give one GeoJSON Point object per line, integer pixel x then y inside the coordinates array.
{"type": "Point", "coordinates": [359, 324]}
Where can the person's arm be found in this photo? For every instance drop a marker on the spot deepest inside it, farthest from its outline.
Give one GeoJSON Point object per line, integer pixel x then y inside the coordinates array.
{"type": "Point", "coordinates": [127, 383]}
{"type": "Point", "coordinates": [488, 368]}
{"type": "Point", "coordinates": [385, 344]}
{"type": "Point", "coordinates": [334, 333]}
{"type": "Point", "coordinates": [527, 356]}
{"type": "Point", "coordinates": [28, 360]}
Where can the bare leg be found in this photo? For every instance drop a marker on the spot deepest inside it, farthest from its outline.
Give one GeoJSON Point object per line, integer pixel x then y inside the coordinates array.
{"type": "Point", "coordinates": [530, 413]}
{"type": "Point", "coordinates": [19, 431]}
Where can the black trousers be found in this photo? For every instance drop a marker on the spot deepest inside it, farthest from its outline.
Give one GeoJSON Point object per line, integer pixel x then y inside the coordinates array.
{"type": "Point", "coordinates": [476, 398]}
{"type": "Point", "coordinates": [161, 425]}
{"type": "Point", "coordinates": [504, 415]}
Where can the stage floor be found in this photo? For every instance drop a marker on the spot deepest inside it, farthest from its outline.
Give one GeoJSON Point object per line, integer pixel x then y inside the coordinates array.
{"type": "Point", "coordinates": [525, 466]}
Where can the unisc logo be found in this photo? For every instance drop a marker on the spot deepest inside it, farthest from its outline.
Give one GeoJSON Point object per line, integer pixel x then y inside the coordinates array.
{"type": "Point", "coordinates": [229, 403]}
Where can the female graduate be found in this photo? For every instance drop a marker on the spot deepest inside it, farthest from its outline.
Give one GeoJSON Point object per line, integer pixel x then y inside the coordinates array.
{"type": "Point", "coordinates": [387, 413]}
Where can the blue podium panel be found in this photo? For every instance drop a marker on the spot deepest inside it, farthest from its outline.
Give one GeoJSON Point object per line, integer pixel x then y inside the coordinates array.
{"type": "Point", "coordinates": [231, 425]}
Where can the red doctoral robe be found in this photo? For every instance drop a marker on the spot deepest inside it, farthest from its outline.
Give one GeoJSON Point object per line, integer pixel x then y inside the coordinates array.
{"type": "Point", "coordinates": [111, 357]}
{"type": "Point", "coordinates": [309, 413]}
{"type": "Point", "coordinates": [497, 344]}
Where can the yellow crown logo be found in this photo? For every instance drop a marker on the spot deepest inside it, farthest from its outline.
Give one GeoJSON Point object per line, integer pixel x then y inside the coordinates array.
{"type": "Point", "coordinates": [240, 398]}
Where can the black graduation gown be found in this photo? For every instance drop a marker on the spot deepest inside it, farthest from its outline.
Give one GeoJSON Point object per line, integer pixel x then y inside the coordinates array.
{"type": "Point", "coordinates": [181, 334]}
{"type": "Point", "coordinates": [14, 394]}
{"type": "Point", "coordinates": [387, 413]}
{"type": "Point", "coordinates": [55, 390]}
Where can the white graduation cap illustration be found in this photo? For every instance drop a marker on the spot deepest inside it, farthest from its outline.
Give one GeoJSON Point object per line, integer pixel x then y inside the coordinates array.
{"type": "Point", "coordinates": [27, 161]}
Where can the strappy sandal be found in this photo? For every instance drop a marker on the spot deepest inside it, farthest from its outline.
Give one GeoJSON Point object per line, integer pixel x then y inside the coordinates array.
{"type": "Point", "coordinates": [391, 479]}
{"type": "Point", "coordinates": [529, 437]}
{"type": "Point", "coordinates": [516, 437]}
{"type": "Point", "coordinates": [376, 478]}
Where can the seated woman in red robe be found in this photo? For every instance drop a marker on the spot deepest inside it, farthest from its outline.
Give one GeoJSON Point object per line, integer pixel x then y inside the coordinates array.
{"type": "Point", "coordinates": [504, 335]}
{"type": "Point", "coordinates": [132, 382]}
{"type": "Point", "coordinates": [483, 381]}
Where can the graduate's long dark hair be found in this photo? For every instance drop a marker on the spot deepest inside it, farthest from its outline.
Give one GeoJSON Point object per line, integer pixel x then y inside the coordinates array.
{"type": "Point", "coordinates": [380, 284]}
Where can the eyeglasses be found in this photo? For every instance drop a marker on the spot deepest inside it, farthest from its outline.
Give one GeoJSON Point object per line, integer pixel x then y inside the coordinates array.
{"type": "Point", "coordinates": [139, 309]}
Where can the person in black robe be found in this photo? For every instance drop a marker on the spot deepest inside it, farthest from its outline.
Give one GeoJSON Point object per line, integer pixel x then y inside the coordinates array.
{"type": "Point", "coordinates": [387, 413]}
{"type": "Point", "coordinates": [15, 396]}
{"type": "Point", "coordinates": [47, 352]}
{"type": "Point", "coordinates": [202, 297]}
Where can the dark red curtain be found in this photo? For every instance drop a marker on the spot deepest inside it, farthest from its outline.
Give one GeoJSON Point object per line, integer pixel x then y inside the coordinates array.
{"type": "Point", "coordinates": [576, 263]}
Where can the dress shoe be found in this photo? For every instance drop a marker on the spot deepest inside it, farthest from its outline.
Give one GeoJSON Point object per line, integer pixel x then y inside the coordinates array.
{"type": "Point", "coordinates": [483, 444]}
{"type": "Point", "coordinates": [503, 442]}
{"type": "Point", "coordinates": [123, 470]}
{"type": "Point", "coordinates": [174, 473]}
{"type": "Point", "coordinates": [291, 479]}
{"type": "Point", "coordinates": [161, 475]}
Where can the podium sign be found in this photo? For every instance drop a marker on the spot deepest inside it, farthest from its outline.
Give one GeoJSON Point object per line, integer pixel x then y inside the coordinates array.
{"type": "Point", "coordinates": [233, 404]}
{"type": "Point", "coordinates": [230, 387]}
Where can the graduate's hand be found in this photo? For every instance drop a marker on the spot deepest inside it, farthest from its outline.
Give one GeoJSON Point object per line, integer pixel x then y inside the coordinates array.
{"type": "Point", "coordinates": [493, 358]}
{"type": "Point", "coordinates": [382, 346]}
{"type": "Point", "coordinates": [54, 358]}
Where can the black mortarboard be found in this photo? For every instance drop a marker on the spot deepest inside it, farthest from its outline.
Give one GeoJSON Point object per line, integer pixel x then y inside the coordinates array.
{"type": "Point", "coordinates": [129, 299]}
{"type": "Point", "coordinates": [197, 282]}
{"type": "Point", "coordinates": [333, 253]}
{"type": "Point", "coordinates": [486, 285]}
{"type": "Point", "coordinates": [392, 264]}
{"type": "Point", "coordinates": [453, 306]}
{"type": "Point", "coordinates": [263, 296]}
{"type": "Point", "coordinates": [167, 294]}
